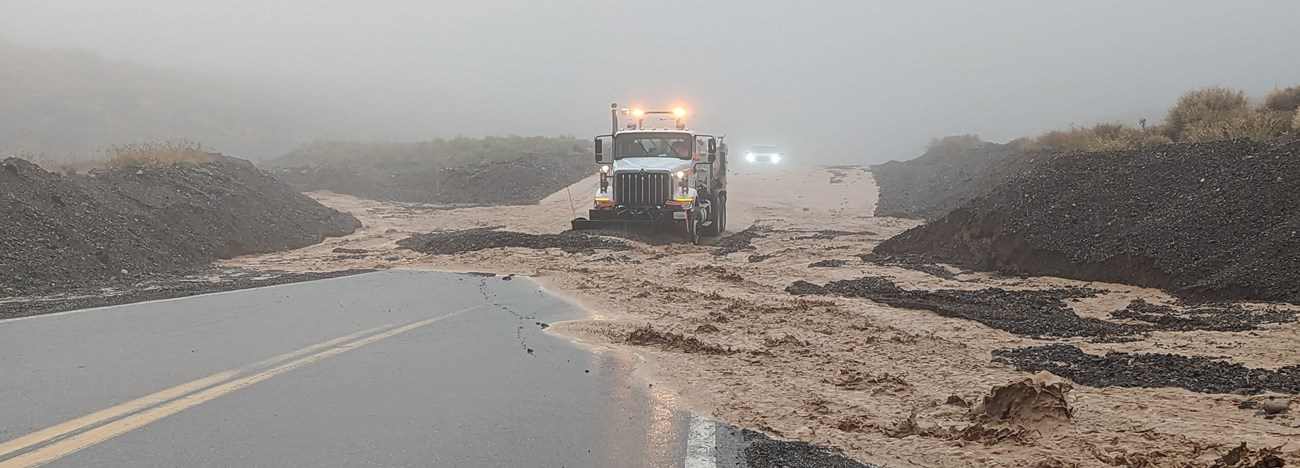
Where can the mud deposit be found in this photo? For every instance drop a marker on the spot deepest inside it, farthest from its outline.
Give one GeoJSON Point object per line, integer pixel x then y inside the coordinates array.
{"type": "Point", "coordinates": [1206, 220]}
{"type": "Point", "coordinates": [1198, 374]}
{"type": "Point", "coordinates": [129, 224]}
{"type": "Point", "coordinates": [472, 240]}
{"type": "Point", "coordinates": [202, 281]}
{"type": "Point", "coordinates": [649, 336]}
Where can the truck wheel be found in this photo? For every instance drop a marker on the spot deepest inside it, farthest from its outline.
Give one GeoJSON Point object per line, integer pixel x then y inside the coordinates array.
{"type": "Point", "coordinates": [715, 218]}
{"type": "Point", "coordinates": [722, 213]}
{"type": "Point", "coordinates": [693, 228]}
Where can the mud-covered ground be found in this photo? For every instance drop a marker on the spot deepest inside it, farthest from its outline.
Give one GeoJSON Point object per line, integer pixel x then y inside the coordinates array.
{"type": "Point", "coordinates": [931, 381]}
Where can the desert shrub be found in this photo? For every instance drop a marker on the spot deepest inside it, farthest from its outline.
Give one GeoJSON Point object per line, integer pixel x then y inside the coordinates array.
{"type": "Point", "coordinates": [151, 153]}
{"type": "Point", "coordinates": [1210, 104]}
{"type": "Point", "coordinates": [1154, 139]}
{"type": "Point", "coordinates": [1024, 144]}
{"type": "Point", "coordinates": [1258, 126]}
{"type": "Point", "coordinates": [954, 144]}
{"type": "Point", "coordinates": [1282, 100]}
{"type": "Point", "coordinates": [1100, 137]}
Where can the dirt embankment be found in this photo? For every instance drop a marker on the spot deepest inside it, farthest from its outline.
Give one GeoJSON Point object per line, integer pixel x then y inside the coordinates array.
{"type": "Point", "coordinates": [1208, 220]}
{"type": "Point", "coordinates": [129, 224]}
{"type": "Point", "coordinates": [945, 178]}
{"type": "Point", "coordinates": [521, 181]}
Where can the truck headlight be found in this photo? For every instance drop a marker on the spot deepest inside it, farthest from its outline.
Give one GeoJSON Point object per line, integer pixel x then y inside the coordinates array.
{"type": "Point", "coordinates": [681, 174]}
{"type": "Point", "coordinates": [749, 157]}
{"type": "Point", "coordinates": [776, 158]}
{"type": "Point", "coordinates": [604, 168]}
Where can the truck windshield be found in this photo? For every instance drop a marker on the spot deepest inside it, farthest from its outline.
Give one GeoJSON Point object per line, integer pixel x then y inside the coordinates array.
{"type": "Point", "coordinates": [763, 149]}
{"type": "Point", "coordinates": [653, 146]}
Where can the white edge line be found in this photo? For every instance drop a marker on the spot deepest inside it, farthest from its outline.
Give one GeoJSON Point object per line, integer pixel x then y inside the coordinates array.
{"type": "Point", "coordinates": [701, 443]}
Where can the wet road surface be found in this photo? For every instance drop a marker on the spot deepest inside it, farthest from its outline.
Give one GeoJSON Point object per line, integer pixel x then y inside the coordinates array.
{"type": "Point", "coordinates": [395, 368]}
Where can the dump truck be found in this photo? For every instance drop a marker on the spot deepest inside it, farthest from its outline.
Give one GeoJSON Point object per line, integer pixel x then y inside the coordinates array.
{"type": "Point", "coordinates": [664, 177]}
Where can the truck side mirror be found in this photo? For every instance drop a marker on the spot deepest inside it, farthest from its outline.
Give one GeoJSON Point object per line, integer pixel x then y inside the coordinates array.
{"type": "Point", "coordinates": [713, 150]}
{"type": "Point", "coordinates": [600, 149]}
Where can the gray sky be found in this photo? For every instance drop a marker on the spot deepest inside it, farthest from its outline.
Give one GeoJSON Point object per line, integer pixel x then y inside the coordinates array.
{"type": "Point", "coordinates": [846, 81]}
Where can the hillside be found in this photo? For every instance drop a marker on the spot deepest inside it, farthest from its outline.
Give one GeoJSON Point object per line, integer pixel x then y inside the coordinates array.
{"type": "Point", "coordinates": [58, 103]}
{"type": "Point", "coordinates": [491, 170]}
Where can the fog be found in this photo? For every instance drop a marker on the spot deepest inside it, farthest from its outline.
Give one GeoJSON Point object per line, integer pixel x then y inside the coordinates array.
{"type": "Point", "coordinates": [831, 81]}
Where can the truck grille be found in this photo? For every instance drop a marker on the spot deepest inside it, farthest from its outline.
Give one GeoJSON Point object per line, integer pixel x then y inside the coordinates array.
{"type": "Point", "coordinates": [642, 188]}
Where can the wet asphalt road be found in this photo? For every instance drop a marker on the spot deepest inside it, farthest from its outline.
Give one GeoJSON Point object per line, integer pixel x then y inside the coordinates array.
{"type": "Point", "coordinates": [394, 368]}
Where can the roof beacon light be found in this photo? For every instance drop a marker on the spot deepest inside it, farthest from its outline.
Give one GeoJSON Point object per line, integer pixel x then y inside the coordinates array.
{"type": "Point", "coordinates": [638, 112]}
{"type": "Point", "coordinates": [679, 112]}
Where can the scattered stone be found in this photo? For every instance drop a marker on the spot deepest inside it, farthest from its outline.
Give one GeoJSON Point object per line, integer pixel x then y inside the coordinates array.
{"type": "Point", "coordinates": [1275, 405]}
{"type": "Point", "coordinates": [758, 258]}
{"type": "Point", "coordinates": [344, 250]}
{"type": "Point", "coordinates": [828, 263]}
{"type": "Point", "coordinates": [742, 240]}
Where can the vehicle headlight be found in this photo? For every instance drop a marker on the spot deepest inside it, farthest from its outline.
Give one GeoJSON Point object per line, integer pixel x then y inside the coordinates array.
{"type": "Point", "coordinates": [776, 158]}
{"type": "Point", "coordinates": [604, 168]}
{"type": "Point", "coordinates": [749, 157]}
{"type": "Point", "coordinates": [681, 174]}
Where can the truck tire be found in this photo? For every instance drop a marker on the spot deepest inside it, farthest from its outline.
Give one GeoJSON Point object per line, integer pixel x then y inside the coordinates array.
{"type": "Point", "coordinates": [693, 228]}
{"type": "Point", "coordinates": [715, 218]}
{"type": "Point", "coordinates": [722, 213]}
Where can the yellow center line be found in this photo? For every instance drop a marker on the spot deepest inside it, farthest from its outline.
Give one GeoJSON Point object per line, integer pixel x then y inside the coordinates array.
{"type": "Point", "coordinates": [174, 405]}
{"type": "Point", "coordinates": [152, 399]}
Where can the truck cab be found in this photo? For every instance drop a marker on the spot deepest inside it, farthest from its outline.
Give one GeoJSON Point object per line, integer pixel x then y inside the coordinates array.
{"type": "Point", "coordinates": [665, 177]}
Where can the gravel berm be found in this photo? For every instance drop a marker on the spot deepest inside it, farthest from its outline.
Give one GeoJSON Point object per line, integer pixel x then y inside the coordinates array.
{"type": "Point", "coordinates": [942, 179]}
{"type": "Point", "coordinates": [127, 224]}
{"type": "Point", "coordinates": [1207, 221]}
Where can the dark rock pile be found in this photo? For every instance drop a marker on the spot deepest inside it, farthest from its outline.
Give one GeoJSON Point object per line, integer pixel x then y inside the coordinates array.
{"type": "Point", "coordinates": [940, 180]}
{"type": "Point", "coordinates": [1196, 373]}
{"type": "Point", "coordinates": [1217, 317]}
{"type": "Point", "coordinates": [742, 240]}
{"type": "Point", "coordinates": [1031, 313]}
{"type": "Point", "coordinates": [127, 224]}
{"type": "Point", "coordinates": [1218, 220]}
{"type": "Point", "coordinates": [472, 240]}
